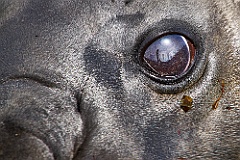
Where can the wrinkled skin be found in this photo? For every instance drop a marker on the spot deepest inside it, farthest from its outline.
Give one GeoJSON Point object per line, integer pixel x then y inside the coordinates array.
{"type": "Point", "coordinates": [72, 87]}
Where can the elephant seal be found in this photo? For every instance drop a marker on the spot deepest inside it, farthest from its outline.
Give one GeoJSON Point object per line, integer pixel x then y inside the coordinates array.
{"type": "Point", "coordinates": [119, 79]}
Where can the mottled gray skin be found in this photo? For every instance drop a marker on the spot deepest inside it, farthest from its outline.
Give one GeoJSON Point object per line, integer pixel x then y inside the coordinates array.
{"type": "Point", "coordinates": [71, 85]}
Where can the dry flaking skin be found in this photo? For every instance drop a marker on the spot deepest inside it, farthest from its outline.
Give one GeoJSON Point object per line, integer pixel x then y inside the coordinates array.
{"type": "Point", "coordinates": [72, 85]}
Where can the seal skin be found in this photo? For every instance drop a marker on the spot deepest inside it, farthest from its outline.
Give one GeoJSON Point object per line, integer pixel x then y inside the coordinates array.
{"type": "Point", "coordinates": [72, 87]}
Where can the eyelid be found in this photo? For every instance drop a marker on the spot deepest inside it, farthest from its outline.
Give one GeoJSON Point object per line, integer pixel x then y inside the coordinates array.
{"type": "Point", "coordinates": [195, 35]}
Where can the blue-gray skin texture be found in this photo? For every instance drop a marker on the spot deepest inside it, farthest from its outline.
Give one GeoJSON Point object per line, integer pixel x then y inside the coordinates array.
{"type": "Point", "coordinates": [72, 85]}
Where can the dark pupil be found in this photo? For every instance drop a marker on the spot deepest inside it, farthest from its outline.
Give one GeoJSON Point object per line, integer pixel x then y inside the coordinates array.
{"type": "Point", "coordinates": [170, 56]}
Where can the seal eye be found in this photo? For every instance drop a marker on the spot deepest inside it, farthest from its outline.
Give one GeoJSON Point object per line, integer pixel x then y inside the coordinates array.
{"type": "Point", "coordinates": [169, 56]}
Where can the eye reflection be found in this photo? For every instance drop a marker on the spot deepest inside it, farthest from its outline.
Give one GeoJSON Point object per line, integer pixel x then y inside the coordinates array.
{"type": "Point", "coordinates": [170, 56]}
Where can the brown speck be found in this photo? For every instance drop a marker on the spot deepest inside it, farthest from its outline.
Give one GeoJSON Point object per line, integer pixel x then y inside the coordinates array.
{"type": "Point", "coordinates": [215, 104]}
{"type": "Point", "coordinates": [186, 103]}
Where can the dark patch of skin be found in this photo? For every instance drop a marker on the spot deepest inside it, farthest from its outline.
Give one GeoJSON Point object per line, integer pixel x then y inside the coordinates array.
{"type": "Point", "coordinates": [103, 67]}
{"type": "Point", "coordinates": [127, 2]}
{"type": "Point", "coordinates": [132, 20]}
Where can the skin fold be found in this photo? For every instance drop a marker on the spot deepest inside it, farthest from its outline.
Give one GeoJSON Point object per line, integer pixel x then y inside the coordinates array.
{"type": "Point", "coordinates": [72, 85]}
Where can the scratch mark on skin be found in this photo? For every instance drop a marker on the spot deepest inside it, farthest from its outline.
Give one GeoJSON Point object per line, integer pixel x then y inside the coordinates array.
{"type": "Point", "coordinates": [215, 104]}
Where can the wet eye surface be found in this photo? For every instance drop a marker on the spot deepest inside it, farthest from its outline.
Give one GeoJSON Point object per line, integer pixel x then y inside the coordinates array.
{"type": "Point", "coordinates": [169, 56]}
{"type": "Point", "coordinates": [173, 56]}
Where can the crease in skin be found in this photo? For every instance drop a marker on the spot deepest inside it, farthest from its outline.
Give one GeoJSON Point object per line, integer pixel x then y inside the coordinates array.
{"type": "Point", "coordinates": [44, 119]}
{"type": "Point", "coordinates": [37, 79]}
